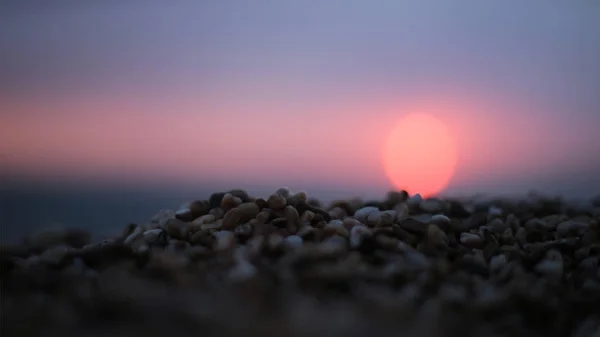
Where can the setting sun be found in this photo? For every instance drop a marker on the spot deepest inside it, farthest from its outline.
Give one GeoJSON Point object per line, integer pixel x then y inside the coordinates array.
{"type": "Point", "coordinates": [420, 155]}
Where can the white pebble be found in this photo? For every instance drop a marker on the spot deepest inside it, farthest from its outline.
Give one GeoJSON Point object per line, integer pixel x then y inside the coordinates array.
{"type": "Point", "coordinates": [362, 214]}
{"type": "Point", "coordinates": [294, 241]}
{"type": "Point", "coordinates": [470, 240]}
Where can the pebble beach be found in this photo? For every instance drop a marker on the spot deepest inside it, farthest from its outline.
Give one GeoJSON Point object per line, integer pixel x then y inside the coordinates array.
{"type": "Point", "coordinates": [286, 264]}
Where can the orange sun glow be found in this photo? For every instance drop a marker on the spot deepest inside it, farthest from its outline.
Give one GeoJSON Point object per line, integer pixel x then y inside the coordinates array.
{"type": "Point", "coordinates": [420, 155]}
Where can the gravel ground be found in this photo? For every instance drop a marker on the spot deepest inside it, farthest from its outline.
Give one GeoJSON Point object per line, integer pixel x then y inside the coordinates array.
{"type": "Point", "coordinates": [235, 265]}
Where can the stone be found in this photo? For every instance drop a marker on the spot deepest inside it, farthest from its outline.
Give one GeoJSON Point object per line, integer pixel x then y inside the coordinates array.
{"type": "Point", "coordinates": [471, 240]}
{"type": "Point", "coordinates": [55, 256]}
{"type": "Point", "coordinates": [136, 234]}
{"type": "Point", "coordinates": [494, 211]}
{"type": "Point", "coordinates": [386, 242]}
{"type": "Point", "coordinates": [552, 265]}
{"type": "Point", "coordinates": [432, 205]}
{"type": "Point", "coordinates": [336, 227]}
{"type": "Point", "coordinates": [307, 217]}
{"type": "Point", "coordinates": [177, 229]}
{"type": "Point", "coordinates": [498, 226]}
{"type": "Point", "coordinates": [363, 213]}
{"type": "Point", "coordinates": [402, 212]}
{"type": "Point", "coordinates": [571, 227]}
{"type": "Point", "coordinates": [218, 213]}
{"type": "Point", "coordinates": [184, 214]}
{"type": "Point", "coordinates": [155, 237]}
{"type": "Point", "coordinates": [306, 231]}
{"type": "Point", "coordinates": [239, 193]}
{"type": "Point", "coordinates": [388, 217]}
{"type": "Point", "coordinates": [218, 224]}
{"type": "Point", "coordinates": [513, 222]}
{"type": "Point", "coordinates": [332, 246]}
{"type": "Point", "coordinates": [374, 218]}
{"type": "Point", "coordinates": [229, 201]}
{"type": "Point", "coordinates": [358, 234]}
{"type": "Point", "coordinates": [232, 219]}
{"type": "Point", "coordinates": [440, 220]}
{"type": "Point", "coordinates": [507, 237]}
{"type": "Point", "coordinates": [205, 219]}
{"type": "Point", "coordinates": [414, 200]}
{"type": "Point", "coordinates": [248, 210]}
{"type": "Point", "coordinates": [293, 219]}
{"type": "Point", "coordinates": [243, 231]}
{"type": "Point", "coordinates": [521, 235]}
{"type": "Point", "coordinates": [293, 241]}
{"type": "Point", "coordinates": [224, 240]}
{"type": "Point", "coordinates": [437, 236]}
{"type": "Point", "coordinates": [497, 262]}
{"type": "Point", "coordinates": [276, 201]}
{"type": "Point", "coordinates": [204, 238]}
{"type": "Point", "coordinates": [284, 192]}
{"type": "Point", "coordinates": [415, 261]}
{"type": "Point", "coordinates": [160, 219]}
{"type": "Point", "coordinates": [414, 226]}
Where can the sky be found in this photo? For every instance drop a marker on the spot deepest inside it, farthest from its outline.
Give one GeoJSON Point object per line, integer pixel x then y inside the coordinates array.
{"type": "Point", "coordinates": [261, 94]}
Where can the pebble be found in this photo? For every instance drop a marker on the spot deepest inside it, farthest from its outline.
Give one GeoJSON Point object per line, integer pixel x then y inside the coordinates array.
{"type": "Point", "coordinates": [224, 240]}
{"type": "Point", "coordinates": [294, 241]}
{"type": "Point", "coordinates": [414, 200]}
{"type": "Point", "coordinates": [437, 236]}
{"type": "Point", "coordinates": [358, 234]}
{"type": "Point", "coordinates": [494, 211]}
{"type": "Point", "coordinates": [293, 219]}
{"type": "Point", "coordinates": [374, 218]}
{"type": "Point", "coordinates": [388, 217]}
{"type": "Point", "coordinates": [571, 227]}
{"type": "Point", "coordinates": [184, 214]}
{"type": "Point", "coordinates": [177, 229]}
{"type": "Point", "coordinates": [232, 218]}
{"type": "Point", "coordinates": [471, 240]}
{"type": "Point", "coordinates": [229, 201]}
{"type": "Point", "coordinates": [416, 261]}
{"type": "Point", "coordinates": [54, 256]}
{"type": "Point", "coordinates": [276, 201]}
{"type": "Point", "coordinates": [432, 205]}
{"type": "Point", "coordinates": [497, 263]}
{"type": "Point", "coordinates": [363, 213]}
{"type": "Point", "coordinates": [498, 226]}
{"type": "Point", "coordinates": [137, 234]}
{"type": "Point", "coordinates": [160, 219]}
{"type": "Point", "coordinates": [248, 210]}
{"type": "Point", "coordinates": [155, 236]}
{"type": "Point", "coordinates": [463, 266]}
{"type": "Point", "coordinates": [552, 264]}
{"type": "Point", "coordinates": [414, 226]}
{"type": "Point", "coordinates": [441, 221]}
{"type": "Point", "coordinates": [402, 212]}
{"type": "Point", "coordinates": [205, 219]}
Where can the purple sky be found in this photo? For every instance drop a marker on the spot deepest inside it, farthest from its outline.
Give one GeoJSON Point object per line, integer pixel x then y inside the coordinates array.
{"type": "Point", "coordinates": [301, 93]}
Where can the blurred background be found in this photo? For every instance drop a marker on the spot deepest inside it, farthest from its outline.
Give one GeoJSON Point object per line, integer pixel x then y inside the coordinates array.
{"type": "Point", "coordinates": [112, 110]}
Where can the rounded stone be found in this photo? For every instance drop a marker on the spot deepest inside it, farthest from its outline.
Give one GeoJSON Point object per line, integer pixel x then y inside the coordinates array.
{"type": "Point", "coordinates": [248, 210]}
{"type": "Point", "coordinates": [224, 240]}
{"type": "Point", "coordinates": [498, 226]}
{"type": "Point", "coordinates": [363, 213]}
{"type": "Point", "coordinates": [471, 240]}
{"type": "Point", "coordinates": [232, 218]}
{"type": "Point", "coordinates": [276, 201]}
{"type": "Point", "coordinates": [441, 221]}
{"type": "Point", "coordinates": [432, 205]}
{"type": "Point", "coordinates": [294, 241]}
